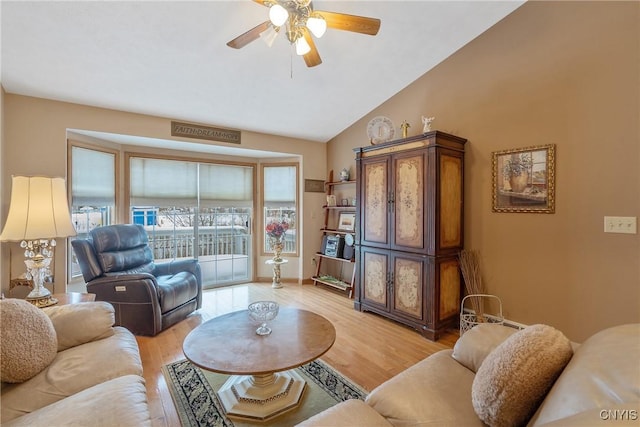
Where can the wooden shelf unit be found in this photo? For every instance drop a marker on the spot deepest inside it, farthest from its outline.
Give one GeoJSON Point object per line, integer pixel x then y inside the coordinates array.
{"type": "Point", "coordinates": [322, 259]}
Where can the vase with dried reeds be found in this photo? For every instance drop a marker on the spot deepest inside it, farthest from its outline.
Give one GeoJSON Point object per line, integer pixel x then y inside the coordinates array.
{"type": "Point", "coordinates": [470, 267]}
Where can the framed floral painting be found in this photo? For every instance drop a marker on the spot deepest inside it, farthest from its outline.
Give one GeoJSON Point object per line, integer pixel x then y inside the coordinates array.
{"type": "Point", "coordinates": [524, 180]}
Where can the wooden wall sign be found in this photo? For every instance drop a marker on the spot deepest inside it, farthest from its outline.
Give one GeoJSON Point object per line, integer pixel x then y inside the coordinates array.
{"type": "Point", "coordinates": [205, 132]}
{"type": "Point", "coordinates": [314, 185]}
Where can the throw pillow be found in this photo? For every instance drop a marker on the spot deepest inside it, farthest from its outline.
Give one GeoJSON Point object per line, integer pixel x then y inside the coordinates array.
{"type": "Point", "coordinates": [29, 341]}
{"type": "Point", "coordinates": [474, 345]}
{"type": "Point", "coordinates": [515, 377]}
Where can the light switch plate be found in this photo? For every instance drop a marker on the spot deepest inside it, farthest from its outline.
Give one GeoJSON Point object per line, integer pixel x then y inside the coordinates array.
{"type": "Point", "coordinates": [620, 224]}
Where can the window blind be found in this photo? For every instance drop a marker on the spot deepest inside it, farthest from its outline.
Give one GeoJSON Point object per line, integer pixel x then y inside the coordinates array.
{"type": "Point", "coordinates": [226, 185]}
{"type": "Point", "coordinates": [163, 183]}
{"type": "Point", "coordinates": [93, 177]}
{"type": "Point", "coordinates": [279, 186]}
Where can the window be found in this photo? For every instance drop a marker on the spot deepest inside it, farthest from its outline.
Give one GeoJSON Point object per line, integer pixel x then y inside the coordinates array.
{"type": "Point", "coordinates": [280, 189]}
{"type": "Point", "coordinates": [195, 209]}
{"type": "Point", "coordinates": [93, 193]}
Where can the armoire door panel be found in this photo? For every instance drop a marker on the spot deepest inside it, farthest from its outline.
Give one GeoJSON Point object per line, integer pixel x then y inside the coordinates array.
{"type": "Point", "coordinates": [374, 277]}
{"type": "Point", "coordinates": [409, 174]}
{"type": "Point", "coordinates": [450, 201]}
{"type": "Point", "coordinates": [375, 203]}
{"type": "Point", "coordinates": [408, 283]}
{"type": "Point", "coordinates": [450, 288]}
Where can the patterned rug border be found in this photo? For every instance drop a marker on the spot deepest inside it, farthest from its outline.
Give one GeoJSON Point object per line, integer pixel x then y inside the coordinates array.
{"type": "Point", "coordinates": [335, 384]}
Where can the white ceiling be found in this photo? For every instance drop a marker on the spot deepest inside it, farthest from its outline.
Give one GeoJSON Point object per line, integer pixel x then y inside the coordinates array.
{"type": "Point", "coordinates": [170, 59]}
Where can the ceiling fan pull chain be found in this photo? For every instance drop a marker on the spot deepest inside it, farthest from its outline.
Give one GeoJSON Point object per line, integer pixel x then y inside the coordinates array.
{"type": "Point", "coordinates": [291, 61]}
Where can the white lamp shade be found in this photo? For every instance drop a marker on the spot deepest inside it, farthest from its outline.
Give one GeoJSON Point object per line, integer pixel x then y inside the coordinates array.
{"type": "Point", "coordinates": [278, 15]}
{"type": "Point", "coordinates": [302, 47]}
{"type": "Point", "coordinates": [39, 210]}
{"type": "Point", "coordinates": [317, 26]}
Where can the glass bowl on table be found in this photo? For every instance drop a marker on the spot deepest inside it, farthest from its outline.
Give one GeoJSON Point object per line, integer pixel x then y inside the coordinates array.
{"type": "Point", "coordinates": [261, 312]}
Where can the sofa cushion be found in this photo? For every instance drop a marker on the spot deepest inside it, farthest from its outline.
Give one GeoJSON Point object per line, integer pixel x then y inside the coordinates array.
{"type": "Point", "coordinates": [29, 341]}
{"type": "Point", "coordinates": [604, 372]}
{"type": "Point", "coordinates": [474, 345]}
{"type": "Point", "coordinates": [77, 324]}
{"type": "Point", "coordinates": [118, 402]}
{"type": "Point", "coordinates": [352, 412]}
{"type": "Point", "coordinates": [435, 390]}
{"type": "Point", "coordinates": [72, 371]}
{"type": "Point", "coordinates": [515, 377]}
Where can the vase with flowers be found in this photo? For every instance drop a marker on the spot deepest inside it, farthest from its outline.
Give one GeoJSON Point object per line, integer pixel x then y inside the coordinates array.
{"type": "Point", "coordinates": [276, 230]}
{"type": "Point", "coordinates": [517, 170]}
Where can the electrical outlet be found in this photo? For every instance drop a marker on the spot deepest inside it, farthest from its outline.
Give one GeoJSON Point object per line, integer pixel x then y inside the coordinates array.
{"type": "Point", "coordinates": [620, 224]}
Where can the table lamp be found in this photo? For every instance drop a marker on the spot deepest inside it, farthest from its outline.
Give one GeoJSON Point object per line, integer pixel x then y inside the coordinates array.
{"type": "Point", "coordinates": [38, 213]}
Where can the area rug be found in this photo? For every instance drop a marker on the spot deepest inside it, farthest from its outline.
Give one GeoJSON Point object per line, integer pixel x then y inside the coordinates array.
{"type": "Point", "coordinates": [193, 392]}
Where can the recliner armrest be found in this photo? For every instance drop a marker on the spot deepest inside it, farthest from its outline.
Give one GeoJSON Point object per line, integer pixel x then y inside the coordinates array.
{"type": "Point", "coordinates": [179, 265]}
{"type": "Point", "coordinates": [176, 266]}
{"type": "Point", "coordinates": [125, 288]}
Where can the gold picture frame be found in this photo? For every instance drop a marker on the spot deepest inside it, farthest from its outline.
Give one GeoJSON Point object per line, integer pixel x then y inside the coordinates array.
{"type": "Point", "coordinates": [524, 179]}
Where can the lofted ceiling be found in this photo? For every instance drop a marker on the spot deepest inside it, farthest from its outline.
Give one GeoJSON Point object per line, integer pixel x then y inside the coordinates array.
{"type": "Point", "coordinates": [170, 59]}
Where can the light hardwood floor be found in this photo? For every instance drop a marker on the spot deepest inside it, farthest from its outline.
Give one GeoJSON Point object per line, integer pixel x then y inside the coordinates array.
{"type": "Point", "coordinates": [368, 349]}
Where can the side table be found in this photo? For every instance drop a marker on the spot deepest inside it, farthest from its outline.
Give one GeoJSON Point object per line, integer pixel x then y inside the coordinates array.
{"type": "Point", "coordinates": [276, 283]}
{"type": "Point", "coordinates": [73, 298]}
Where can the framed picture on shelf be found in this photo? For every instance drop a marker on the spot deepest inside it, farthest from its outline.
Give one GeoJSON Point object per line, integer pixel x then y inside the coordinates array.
{"type": "Point", "coordinates": [347, 221]}
{"type": "Point", "coordinates": [331, 200]}
{"type": "Point", "coordinates": [524, 180]}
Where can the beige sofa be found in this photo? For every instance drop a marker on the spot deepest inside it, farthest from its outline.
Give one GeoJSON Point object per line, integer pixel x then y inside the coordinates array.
{"type": "Point", "coordinates": [95, 377]}
{"type": "Point", "coordinates": [600, 385]}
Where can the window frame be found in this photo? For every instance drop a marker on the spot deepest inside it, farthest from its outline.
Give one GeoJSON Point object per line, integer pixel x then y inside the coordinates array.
{"type": "Point", "coordinates": [263, 235]}
{"type": "Point", "coordinates": [71, 143]}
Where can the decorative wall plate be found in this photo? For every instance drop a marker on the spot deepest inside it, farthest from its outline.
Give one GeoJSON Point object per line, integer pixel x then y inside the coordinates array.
{"type": "Point", "coordinates": [380, 129]}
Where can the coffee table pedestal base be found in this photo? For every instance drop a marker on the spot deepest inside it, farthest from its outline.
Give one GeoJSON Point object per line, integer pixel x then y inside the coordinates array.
{"type": "Point", "coordinates": [261, 397]}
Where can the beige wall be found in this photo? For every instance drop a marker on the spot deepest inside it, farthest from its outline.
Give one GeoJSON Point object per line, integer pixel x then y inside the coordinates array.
{"type": "Point", "coordinates": [561, 73]}
{"type": "Point", "coordinates": [2, 157]}
{"type": "Point", "coordinates": [35, 141]}
{"type": "Point", "coordinates": [565, 73]}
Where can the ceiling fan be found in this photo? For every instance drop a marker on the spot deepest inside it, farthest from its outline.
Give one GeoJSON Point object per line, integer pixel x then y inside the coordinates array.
{"type": "Point", "coordinates": [300, 20]}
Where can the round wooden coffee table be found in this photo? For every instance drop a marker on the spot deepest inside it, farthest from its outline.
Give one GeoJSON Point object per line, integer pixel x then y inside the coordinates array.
{"type": "Point", "coordinates": [263, 383]}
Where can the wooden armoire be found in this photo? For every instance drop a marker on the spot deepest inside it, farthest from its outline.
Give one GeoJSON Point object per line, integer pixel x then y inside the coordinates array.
{"type": "Point", "coordinates": [410, 196]}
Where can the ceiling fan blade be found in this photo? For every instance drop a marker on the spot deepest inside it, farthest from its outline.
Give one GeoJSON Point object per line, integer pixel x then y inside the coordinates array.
{"type": "Point", "coordinates": [357, 24]}
{"type": "Point", "coordinates": [313, 57]}
{"type": "Point", "coordinates": [244, 39]}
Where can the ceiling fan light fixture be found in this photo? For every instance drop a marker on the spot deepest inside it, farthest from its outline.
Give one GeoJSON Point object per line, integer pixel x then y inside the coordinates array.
{"type": "Point", "coordinates": [317, 25]}
{"type": "Point", "coordinates": [278, 15]}
{"type": "Point", "coordinates": [301, 25]}
{"type": "Point", "coordinates": [302, 47]}
{"type": "Point", "coordinates": [269, 35]}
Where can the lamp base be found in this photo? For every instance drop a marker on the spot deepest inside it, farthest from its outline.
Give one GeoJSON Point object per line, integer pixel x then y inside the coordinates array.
{"type": "Point", "coordinates": [42, 301]}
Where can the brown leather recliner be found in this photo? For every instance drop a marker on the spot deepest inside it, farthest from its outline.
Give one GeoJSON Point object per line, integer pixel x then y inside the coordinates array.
{"type": "Point", "coordinates": [117, 265]}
